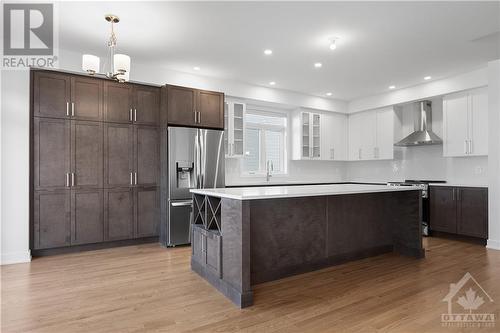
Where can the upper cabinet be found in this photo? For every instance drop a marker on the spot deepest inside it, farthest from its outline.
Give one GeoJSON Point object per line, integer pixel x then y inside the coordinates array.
{"type": "Point", "coordinates": [307, 136]}
{"type": "Point", "coordinates": [196, 108]}
{"type": "Point", "coordinates": [465, 123]}
{"type": "Point", "coordinates": [234, 114]}
{"type": "Point", "coordinates": [371, 135]}
{"type": "Point", "coordinates": [58, 95]}
{"type": "Point", "coordinates": [131, 103]}
{"type": "Point", "coordinates": [333, 137]}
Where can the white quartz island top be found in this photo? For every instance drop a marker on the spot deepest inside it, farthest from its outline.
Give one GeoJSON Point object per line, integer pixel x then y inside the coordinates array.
{"type": "Point", "coordinates": [254, 193]}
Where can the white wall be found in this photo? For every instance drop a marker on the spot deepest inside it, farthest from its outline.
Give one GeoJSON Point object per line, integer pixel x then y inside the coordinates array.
{"type": "Point", "coordinates": [422, 162]}
{"type": "Point", "coordinates": [14, 215]}
{"type": "Point", "coordinates": [494, 154]}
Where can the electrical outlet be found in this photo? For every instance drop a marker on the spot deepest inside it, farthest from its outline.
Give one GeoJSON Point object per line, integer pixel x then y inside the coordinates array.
{"type": "Point", "coordinates": [478, 170]}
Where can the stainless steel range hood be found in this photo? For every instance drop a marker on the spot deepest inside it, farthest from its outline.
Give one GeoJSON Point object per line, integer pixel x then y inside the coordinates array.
{"type": "Point", "coordinates": [423, 134]}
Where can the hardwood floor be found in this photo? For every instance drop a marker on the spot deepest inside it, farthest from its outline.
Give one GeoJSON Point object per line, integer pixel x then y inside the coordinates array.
{"type": "Point", "coordinates": [147, 288]}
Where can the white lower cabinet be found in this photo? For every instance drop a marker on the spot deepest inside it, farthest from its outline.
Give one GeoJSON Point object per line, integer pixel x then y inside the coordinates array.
{"type": "Point", "coordinates": [465, 123]}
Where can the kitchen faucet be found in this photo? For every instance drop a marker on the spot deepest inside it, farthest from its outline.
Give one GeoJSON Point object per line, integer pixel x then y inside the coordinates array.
{"type": "Point", "coordinates": [269, 169]}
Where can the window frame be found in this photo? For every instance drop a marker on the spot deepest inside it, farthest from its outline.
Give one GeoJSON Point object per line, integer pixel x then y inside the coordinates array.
{"type": "Point", "coordinates": [262, 128]}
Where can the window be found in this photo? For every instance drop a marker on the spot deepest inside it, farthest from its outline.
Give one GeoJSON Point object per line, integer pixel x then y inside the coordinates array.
{"type": "Point", "coordinates": [265, 142]}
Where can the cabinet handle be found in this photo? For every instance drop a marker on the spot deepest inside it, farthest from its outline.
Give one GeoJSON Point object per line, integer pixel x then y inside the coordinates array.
{"type": "Point", "coordinates": [130, 115]}
{"type": "Point", "coordinates": [131, 179]}
{"type": "Point", "coordinates": [135, 178]}
{"type": "Point", "coordinates": [195, 117]}
{"type": "Point", "coordinates": [72, 109]}
{"type": "Point", "coordinates": [199, 117]}
{"type": "Point", "coordinates": [67, 179]}
{"type": "Point", "coordinates": [72, 179]}
{"type": "Point", "coordinates": [135, 114]}
{"type": "Point", "coordinates": [67, 109]}
{"type": "Point", "coordinates": [453, 194]}
{"type": "Point", "coordinates": [470, 146]}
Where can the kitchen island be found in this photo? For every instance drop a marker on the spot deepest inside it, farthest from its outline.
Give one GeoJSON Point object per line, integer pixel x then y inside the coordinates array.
{"type": "Point", "coordinates": [245, 236]}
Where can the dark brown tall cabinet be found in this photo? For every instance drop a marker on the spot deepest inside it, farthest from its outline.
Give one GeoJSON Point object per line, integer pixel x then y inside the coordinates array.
{"type": "Point", "coordinates": [94, 160]}
{"type": "Point", "coordinates": [459, 210]}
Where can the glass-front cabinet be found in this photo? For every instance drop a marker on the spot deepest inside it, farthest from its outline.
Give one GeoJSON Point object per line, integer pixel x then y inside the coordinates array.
{"type": "Point", "coordinates": [234, 128]}
{"type": "Point", "coordinates": [311, 136]}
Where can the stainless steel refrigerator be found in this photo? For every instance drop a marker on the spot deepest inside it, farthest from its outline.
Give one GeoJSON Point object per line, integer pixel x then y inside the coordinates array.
{"type": "Point", "coordinates": [195, 160]}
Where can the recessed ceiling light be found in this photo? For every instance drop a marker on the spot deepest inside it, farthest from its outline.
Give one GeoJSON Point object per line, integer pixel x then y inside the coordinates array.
{"type": "Point", "coordinates": [427, 78]}
{"type": "Point", "coordinates": [268, 51]}
{"type": "Point", "coordinates": [328, 94]}
{"type": "Point", "coordinates": [196, 68]}
{"type": "Point", "coordinates": [318, 65]}
{"type": "Point", "coordinates": [272, 83]}
{"type": "Point", "coordinates": [392, 87]}
{"type": "Point", "coordinates": [333, 42]}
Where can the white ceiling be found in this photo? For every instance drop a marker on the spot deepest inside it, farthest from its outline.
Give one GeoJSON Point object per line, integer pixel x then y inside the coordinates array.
{"type": "Point", "coordinates": [381, 44]}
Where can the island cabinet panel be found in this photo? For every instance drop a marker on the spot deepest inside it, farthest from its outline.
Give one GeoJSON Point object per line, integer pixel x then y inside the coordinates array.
{"type": "Point", "coordinates": [459, 210]}
{"type": "Point", "coordinates": [285, 234]}
{"type": "Point", "coordinates": [52, 222]}
{"type": "Point", "coordinates": [357, 223]}
{"type": "Point", "coordinates": [51, 94]}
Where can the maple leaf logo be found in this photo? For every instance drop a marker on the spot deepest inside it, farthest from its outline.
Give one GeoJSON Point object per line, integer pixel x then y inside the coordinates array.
{"type": "Point", "coordinates": [470, 301]}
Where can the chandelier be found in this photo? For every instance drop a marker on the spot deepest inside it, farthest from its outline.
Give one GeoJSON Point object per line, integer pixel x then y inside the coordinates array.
{"type": "Point", "coordinates": [118, 65]}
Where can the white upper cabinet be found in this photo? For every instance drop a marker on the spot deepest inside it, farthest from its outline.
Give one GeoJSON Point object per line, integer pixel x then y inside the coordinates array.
{"type": "Point", "coordinates": [371, 135]}
{"type": "Point", "coordinates": [307, 134]}
{"type": "Point", "coordinates": [234, 128]}
{"type": "Point", "coordinates": [465, 123]}
{"type": "Point", "coordinates": [333, 137]}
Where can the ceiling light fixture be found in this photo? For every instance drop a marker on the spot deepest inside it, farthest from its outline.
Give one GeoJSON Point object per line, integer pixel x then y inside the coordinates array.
{"type": "Point", "coordinates": [333, 43]}
{"type": "Point", "coordinates": [318, 65]}
{"type": "Point", "coordinates": [427, 78]}
{"type": "Point", "coordinates": [328, 94]}
{"type": "Point", "coordinates": [118, 64]}
{"type": "Point", "coordinates": [272, 83]}
{"type": "Point", "coordinates": [196, 68]}
{"type": "Point", "coordinates": [392, 87]}
{"type": "Point", "coordinates": [268, 51]}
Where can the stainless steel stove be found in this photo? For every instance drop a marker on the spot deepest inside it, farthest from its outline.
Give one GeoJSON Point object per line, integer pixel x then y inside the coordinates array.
{"type": "Point", "coordinates": [424, 186]}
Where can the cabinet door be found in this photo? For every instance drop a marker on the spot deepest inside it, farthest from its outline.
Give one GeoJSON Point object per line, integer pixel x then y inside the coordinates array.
{"type": "Point", "coordinates": [87, 224]}
{"type": "Point", "coordinates": [51, 153]}
{"type": "Point", "coordinates": [306, 135]}
{"type": "Point", "coordinates": [119, 213]}
{"type": "Point", "coordinates": [478, 122]}
{"type": "Point", "coordinates": [118, 154]}
{"type": "Point", "coordinates": [146, 105]}
{"type": "Point", "coordinates": [368, 133]}
{"type": "Point", "coordinates": [338, 134]}
{"type": "Point", "coordinates": [315, 136]}
{"type": "Point", "coordinates": [211, 109]}
{"type": "Point", "coordinates": [51, 214]}
{"type": "Point", "coordinates": [147, 206]}
{"type": "Point", "coordinates": [86, 153]}
{"type": "Point", "coordinates": [455, 124]}
{"type": "Point", "coordinates": [86, 98]}
{"type": "Point", "coordinates": [51, 95]}
{"type": "Point", "coordinates": [213, 253]}
{"type": "Point", "coordinates": [147, 155]}
{"type": "Point", "coordinates": [472, 212]}
{"type": "Point", "coordinates": [385, 134]}
{"type": "Point", "coordinates": [181, 105]}
{"type": "Point", "coordinates": [443, 209]}
{"type": "Point", "coordinates": [327, 137]}
{"type": "Point", "coordinates": [118, 102]}
{"type": "Point", "coordinates": [355, 137]}
{"type": "Point", "coordinates": [198, 245]}
{"type": "Point", "coordinates": [238, 129]}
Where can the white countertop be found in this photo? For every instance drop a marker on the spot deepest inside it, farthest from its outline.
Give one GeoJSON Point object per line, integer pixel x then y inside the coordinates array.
{"type": "Point", "coordinates": [253, 193]}
{"type": "Point", "coordinates": [458, 185]}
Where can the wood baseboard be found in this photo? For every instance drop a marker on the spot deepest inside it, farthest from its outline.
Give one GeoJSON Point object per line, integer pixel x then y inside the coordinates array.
{"type": "Point", "coordinates": [90, 247]}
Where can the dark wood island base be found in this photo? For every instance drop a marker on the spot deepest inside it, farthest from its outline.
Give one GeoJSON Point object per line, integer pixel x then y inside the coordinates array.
{"type": "Point", "coordinates": [239, 243]}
